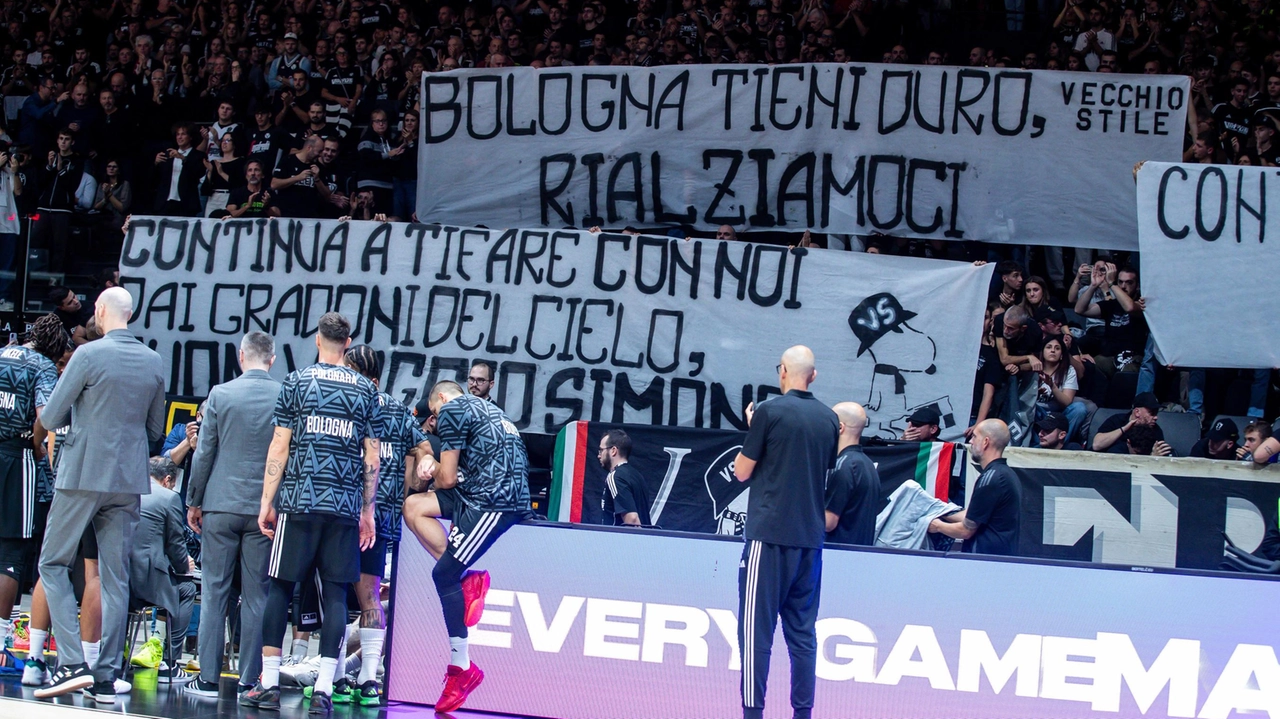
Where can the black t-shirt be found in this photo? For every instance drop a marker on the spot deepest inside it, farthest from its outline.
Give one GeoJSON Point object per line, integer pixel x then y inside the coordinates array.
{"type": "Point", "coordinates": [79, 318]}
{"type": "Point", "coordinates": [1124, 330]}
{"type": "Point", "coordinates": [342, 81]}
{"type": "Point", "coordinates": [1201, 449]}
{"type": "Point", "coordinates": [996, 506]}
{"type": "Point", "coordinates": [1116, 421]}
{"type": "Point", "coordinates": [258, 208]}
{"type": "Point", "coordinates": [793, 441]}
{"type": "Point", "coordinates": [265, 146]}
{"type": "Point", "coordinates": [853, 493]}
{"type": "Point", "coordinates": [1234, 122]}
{"type": "Point", "coordinates": [1027, 344]}
{"type": "Point", "coordinates": [625, 492]}
{"type": "Point", "coordinates": [990, 372]}
{"type": "Point", "coordinates": [299, 199]}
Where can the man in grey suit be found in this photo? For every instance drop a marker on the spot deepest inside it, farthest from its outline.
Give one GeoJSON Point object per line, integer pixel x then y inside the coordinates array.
{"type": "Point", "coordinates": [115, 387]}
{"type": "Point", "coordinates": [223, 499]}
{"type": "Point", "coordinates": [160, 567]}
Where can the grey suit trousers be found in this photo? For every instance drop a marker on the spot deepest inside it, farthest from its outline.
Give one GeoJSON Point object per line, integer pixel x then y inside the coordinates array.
{"type": "Point", "coordinates": [226, 538]}
{"type": "Point", "coordinates": [114, 517]}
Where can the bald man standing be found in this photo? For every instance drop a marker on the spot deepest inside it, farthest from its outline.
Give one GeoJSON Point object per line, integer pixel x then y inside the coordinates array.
{"type": "Point", "coordinates": [990, 524]}
{"type": "Point", "coordinates": [115, 388]}
{"type": "Point", "coordinates": [853, 489]}
{"type": "Point", "coordinates": [789, 450]}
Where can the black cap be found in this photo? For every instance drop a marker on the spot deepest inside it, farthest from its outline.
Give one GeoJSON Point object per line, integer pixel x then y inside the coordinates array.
{"type": "Point", "coordinates": [1146, 400]}
{"type": "Point", "coordinates": [1052, 421]}
{"type": "Point", "coordinates": [1266, 120]}
{"type": "Point", "coordinates": [1051, 314]}
{"type": "Point", "coordinates": [422, 409]}
{"type": "Point", "coordinates": [1224, 429]}
{"type": "Point", "coordinates": [925, 415]}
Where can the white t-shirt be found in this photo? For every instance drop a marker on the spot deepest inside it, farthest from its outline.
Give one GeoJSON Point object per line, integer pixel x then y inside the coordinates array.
{"type": "Point", "coordinates": [1044, 395]}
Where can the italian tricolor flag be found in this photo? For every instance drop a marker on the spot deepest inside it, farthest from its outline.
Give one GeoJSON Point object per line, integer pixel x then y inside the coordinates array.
{"type": "Point", "coordinates": [933, 468]}
{"type": "Point", "coordinates": [565, 501]}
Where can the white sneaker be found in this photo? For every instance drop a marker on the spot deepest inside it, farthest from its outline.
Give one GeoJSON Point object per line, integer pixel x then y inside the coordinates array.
{"type": "Point", "coordinates": [123, 687]}
{"type": "Point", "coordinates": [302, 674]}
{"type": "Point", "coordinates": [35, 673]}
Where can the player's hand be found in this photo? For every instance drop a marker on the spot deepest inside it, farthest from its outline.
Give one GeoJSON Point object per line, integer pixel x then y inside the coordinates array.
{"type": "Point", "coordinates": [426, 469]}
{"type": "Point", "coordinates": [368, 531]}
{"type": "Point", "coordinates": [749, 412]}
{"type": "Point", "coordinates": [267, 521]}
{"type": "Point", "coordinates": [195, 519]}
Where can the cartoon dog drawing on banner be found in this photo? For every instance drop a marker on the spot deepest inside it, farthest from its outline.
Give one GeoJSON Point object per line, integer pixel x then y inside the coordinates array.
{"type": "Point", "coordinates": [728, 495]}
{"type": "Point", "coordinates": [899, 352]}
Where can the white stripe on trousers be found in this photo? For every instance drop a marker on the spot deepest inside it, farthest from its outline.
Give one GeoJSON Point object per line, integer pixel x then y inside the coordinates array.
{"type": "Point", "coordinates": [28, 493]}
{"type": "Point", "coordinates": [749, 625]}
{"type": "Point", "coordinates": [277, 545]}
{"type": "Point", "coordinates": [478, 536]}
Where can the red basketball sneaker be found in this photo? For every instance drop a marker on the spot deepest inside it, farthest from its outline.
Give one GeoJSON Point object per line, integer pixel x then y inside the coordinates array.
{"type": "Point", "coordinates": [474, 586]}
{"type": "Point", "coordinates": [458, 685]}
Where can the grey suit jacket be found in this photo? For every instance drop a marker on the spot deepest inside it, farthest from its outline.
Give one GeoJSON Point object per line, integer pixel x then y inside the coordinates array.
{"type": "Point", "coordinates": [231, 456]}
{"type": "Point", "coordinates": [159, 548]}
{"type": "Point", "coordinates": [114, 388]}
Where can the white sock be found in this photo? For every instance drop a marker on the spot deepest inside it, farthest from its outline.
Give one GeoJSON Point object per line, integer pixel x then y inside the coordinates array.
{"type": "Point", "coordinates": [324, 681]}
{"type": "Point", "coordinates": [458, 656]}
{"type": "Point", "coordinates": [6, 629]}
{"type": "Point", "coordinates": [38, 638]}
{"type": "Point", "coordinates": [370, 652]}
{"type": "Point", "coordinates": [270, 671]}
{"type": "Point", "coordinates": [353, 662]}
{"type": "Point", "coordinates": [91, 650]}
{"type": "Point", "coordinates": [298, 650]}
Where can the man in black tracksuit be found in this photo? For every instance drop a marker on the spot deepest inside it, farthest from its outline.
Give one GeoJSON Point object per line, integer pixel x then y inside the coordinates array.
{"type": "Point", "coordinates": [789, 449]}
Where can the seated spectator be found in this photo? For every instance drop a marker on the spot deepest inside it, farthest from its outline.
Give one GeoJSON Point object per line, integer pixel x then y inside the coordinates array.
{"type": "Point", "coordinates": [1035, 296]}
{"type": "Point", "coordinates": [989, 377]}
{"type": "Point", "coordinates": [1146, 408]}
{"type": "Point", "coordinates": [853, 498]}
{"type": "Point", "coordinates": [726, 232]}
{"type": "Point", "coordinates": [1255, 433]}
{"type": "Point", "coordinates": [1219, 442]}
{"type": "Point", "coordinates": [1124, 337]}
{"type": "Point", "coordinates": [1058, 386]}
{"type": "Point", "coordinates": [989, 525]}
{"type": "Point", "coordinates": [1009, 292]}
{"type": "Point", "coordinates": [159, 566]}
{"type": "Point", "coordinates": [924, 425]}
{"type": "Point", "coordinates": [1146, 440]}
{"type": "Point", "coordinates": [1018, 340]}
{"type": "Point", "coordinates": [73, 313]}
{"type": "Point", "coordinates": [178, 173]}
{"type": "Point", "coordinates": [253, 199]}
{"type": "Point", "coordinates": [1053, 431]}
{"type": "Point", "coordinates": [364, 206]}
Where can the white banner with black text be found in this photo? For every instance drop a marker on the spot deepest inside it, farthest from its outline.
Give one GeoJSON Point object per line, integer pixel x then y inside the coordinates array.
{"type": "Point", "coordinates": [615, 328]}
{"type": "Point", "coordinates": [1210, 262]}
{"type": "Point", "coordinates": [1014, 156]}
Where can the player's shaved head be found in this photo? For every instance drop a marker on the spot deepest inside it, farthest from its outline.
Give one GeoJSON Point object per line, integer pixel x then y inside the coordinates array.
{"type": "Point", "coordinates": [448, 388]}
{"type": "Point", "coordinates": [852, 416]}
{"type": "Point", "coordinates": [996, 431]}
{"type": "Point", "coordinates": [798, 364]}
{"type": "Point", "coordinates": [117, 303]}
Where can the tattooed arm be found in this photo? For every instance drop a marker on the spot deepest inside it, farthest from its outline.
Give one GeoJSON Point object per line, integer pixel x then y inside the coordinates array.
{"type": "Point", "coordinates": [277, 457]}
{"type": "Point", "coordinates": [372, 465]}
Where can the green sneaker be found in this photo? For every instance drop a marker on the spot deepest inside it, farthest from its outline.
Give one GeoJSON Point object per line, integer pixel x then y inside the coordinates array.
{"type": "Point", "coordinates": [149, 655]}
{"type": "Point", "coordinates": [344, 693]}
{"type": "Point", "coordinates": [370, 694]}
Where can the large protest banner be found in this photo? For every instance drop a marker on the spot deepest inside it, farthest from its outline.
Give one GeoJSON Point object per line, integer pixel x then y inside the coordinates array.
{"type": "Point", "coordinates": [1210, 263]}
{"type": "Point", "coordinates": [690, 481]}
{"type": "Point", "coordinates": [1039, 157]}
{"type": "Point", "coordinates": [620, 328]}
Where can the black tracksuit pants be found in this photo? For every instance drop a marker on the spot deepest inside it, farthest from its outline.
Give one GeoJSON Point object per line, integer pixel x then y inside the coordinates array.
{"type": "Point", "coordinates": [774, 581]}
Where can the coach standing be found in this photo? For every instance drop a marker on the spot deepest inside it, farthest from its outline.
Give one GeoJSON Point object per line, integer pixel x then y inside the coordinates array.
{"type": "Point", "coordinates": [790, 447]}
{"type": "Point", "coordinates": [115, 387]}
{"type": "Point", "coordinates": [224, 498]}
